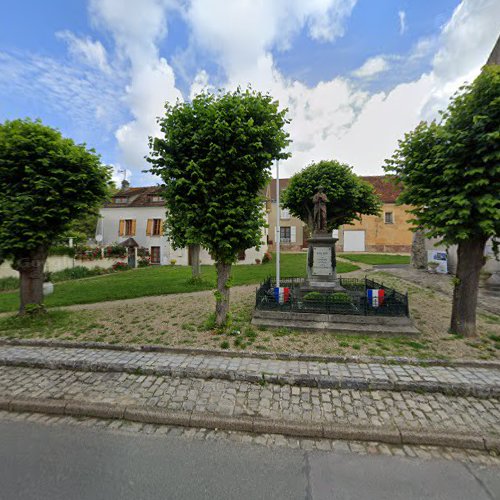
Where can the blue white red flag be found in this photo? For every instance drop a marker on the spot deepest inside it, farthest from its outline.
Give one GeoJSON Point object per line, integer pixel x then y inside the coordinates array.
{"type": "Point", "coordinates": [282, 294]}
{"type": "Point", "coordinates": [375, 297]}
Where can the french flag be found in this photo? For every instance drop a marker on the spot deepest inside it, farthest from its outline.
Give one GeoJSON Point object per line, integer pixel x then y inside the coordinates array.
{"type": "Point", "coordinates": [375, 297]}
{"type": "Point", "coordinates": [281, 294]}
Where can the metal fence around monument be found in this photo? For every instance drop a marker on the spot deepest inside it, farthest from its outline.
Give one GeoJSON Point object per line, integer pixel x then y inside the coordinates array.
{"type": "Point", "coordinates": [353, 299]}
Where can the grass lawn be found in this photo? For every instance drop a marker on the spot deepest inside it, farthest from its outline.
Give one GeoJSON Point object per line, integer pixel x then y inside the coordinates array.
{"type": "Point", "coordinates": [159, 281]}
{"type": "Point", "coordinates": [376, 258]}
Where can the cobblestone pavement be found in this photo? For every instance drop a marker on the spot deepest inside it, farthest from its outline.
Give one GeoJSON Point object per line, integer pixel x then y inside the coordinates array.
{"type": "Point", "coordinates": [270, 440]}
{"type": "Point", "coordinates": [482, 382]}
{"type": "Point", "coordinates": [379, 409]}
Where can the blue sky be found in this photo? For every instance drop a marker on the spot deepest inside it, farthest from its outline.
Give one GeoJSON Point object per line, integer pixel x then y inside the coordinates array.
{"type": "Point", "coordinates": [355, 75]}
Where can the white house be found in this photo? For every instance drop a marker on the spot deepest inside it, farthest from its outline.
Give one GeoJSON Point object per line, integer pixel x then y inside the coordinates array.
{"type": "Point", "coordinates": [138, 213]}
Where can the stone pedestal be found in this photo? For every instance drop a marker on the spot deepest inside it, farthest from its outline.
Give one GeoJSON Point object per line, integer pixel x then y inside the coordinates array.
{"type": "Point", "coordinates": [321, 263]}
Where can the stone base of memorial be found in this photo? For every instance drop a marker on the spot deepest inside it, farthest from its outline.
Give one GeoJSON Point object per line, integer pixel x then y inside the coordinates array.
{"type": "Point", "coordinates": [321, 264]}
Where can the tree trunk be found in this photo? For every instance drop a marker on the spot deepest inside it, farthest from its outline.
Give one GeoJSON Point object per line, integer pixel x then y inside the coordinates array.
{"type": "Point", "coordinates": [470, 262]}
{"type": "Point", "coordinates": [31, 277]}
{"type": "Point", "coordinates": [195, 260]}
{"type": "Point", "coordinates": [222, 297]}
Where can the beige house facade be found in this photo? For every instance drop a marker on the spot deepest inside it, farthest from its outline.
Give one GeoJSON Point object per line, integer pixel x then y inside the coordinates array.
{"type": "Point", "coordinates": [388, 232]}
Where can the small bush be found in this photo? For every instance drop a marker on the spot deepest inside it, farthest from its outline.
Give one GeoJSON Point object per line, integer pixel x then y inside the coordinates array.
{"type": "Point", "coordinates": [120, 266]}
{"type": "Point", "coordinates": [313, 296]}
{"type": "Point", "coordinates": [61, 250]}
{"type": "Point", "coordinates": [9, 284]}
{"type": "Point", "coordinates": [340, 298]}
{"type": "Point", "coordinates": [144, 262]}
{"type": "Point", "coordinates": [224, 344]}
{"type": "Point", "coordinates": [173, 262]}
{"type": "Point", "coordinates": [257, 261]}
{"type": "Point", "coordinates": [267, 258]}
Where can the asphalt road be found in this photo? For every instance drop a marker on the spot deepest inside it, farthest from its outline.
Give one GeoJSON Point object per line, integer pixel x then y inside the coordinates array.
{"type": "Point", "coordinates": [68, 462]}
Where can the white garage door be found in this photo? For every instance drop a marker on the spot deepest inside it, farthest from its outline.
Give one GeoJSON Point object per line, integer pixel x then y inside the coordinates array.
{"type": "Point", "coordinates": [354, 241]}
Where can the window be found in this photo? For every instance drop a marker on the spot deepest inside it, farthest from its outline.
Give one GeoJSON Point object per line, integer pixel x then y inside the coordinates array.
{"type": "Point", "coordinates": [129, 227]}
{"type": "Point", "coordinates": [154, 227]}
{"type": "Point", "coordinates": [388, 218]}
{"type": "Point", "coordinates": [157, 229]}
{"type": "Point", "coordinates": [121, 200]}
{"type": "Point", "coordinates": [285, 234]}
{"type": "Point", "coordinates": [155, 198]}
{"type": "Point", "coordinates": [241, 255]}
{"type": "Point", "coordinates": [285, 213]}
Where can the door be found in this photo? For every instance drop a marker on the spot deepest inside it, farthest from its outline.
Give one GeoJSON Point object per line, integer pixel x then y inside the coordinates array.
{"type": "Point", "coordinates": [354, 241]}
{"type": "Point", "coordinates": [155, 255]}
{"type": "Point", "coordinates": [131, 257]}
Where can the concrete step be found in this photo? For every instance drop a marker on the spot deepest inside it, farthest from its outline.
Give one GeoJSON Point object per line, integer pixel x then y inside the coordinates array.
{"type": "Point", "coordinates": [378, 330]}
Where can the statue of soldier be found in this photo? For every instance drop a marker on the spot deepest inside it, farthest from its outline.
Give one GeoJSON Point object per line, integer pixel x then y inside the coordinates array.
{"type": "Point", "coordinates": [319, 220]}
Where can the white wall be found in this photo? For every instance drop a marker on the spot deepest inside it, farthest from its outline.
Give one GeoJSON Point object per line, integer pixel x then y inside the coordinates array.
{"type": "Point", "coordinates": [56, 263]}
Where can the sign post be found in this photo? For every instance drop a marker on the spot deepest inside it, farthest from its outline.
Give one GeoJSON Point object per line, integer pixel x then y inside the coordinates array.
{"type": "Point", "coordinates": [278, 229]}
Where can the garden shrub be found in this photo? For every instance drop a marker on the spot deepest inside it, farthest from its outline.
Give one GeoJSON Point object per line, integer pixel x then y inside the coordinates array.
{"type": "Point", "coordinates": [340, 298]}
{"type": "Point", "coordinates": [313, 296]}
{"type": "Point", "coordinates": [120, 266]}
{"type": "Point", "coordinates": [10, 283]}
{"type": "Point", "coordinates": [62, 250]}
{"type": "Point", "coordinates": [267, 258]}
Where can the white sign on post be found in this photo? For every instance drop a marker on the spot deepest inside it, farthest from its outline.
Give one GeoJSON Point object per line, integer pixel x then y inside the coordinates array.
{"type": "Point", "coordinates": [437, 261]}
{"type": "Point", "coordinates": [322, 261]}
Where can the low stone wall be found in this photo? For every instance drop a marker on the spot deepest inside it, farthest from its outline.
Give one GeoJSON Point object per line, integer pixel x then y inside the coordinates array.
{"type": "Point", "coordinates": [59, 263]}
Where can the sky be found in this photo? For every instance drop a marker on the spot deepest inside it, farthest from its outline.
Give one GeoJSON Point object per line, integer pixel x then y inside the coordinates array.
{"type": "Point", "coordinates": [355, 75]}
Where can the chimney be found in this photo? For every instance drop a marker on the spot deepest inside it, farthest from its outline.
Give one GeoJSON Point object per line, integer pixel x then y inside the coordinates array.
{"type": "Point", "coordinates": [125, 184]}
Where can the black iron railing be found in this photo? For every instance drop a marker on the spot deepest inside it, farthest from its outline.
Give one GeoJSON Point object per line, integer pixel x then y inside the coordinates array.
{"type": "Point", "coordinates": [353, 299]}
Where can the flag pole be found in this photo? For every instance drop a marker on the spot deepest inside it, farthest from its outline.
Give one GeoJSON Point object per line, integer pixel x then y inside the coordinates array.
{"type": "Point", "coordinates": [278, 229]}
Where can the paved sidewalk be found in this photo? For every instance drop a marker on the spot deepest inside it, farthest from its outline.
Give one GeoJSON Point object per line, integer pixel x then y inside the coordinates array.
{"type": "Point", "coordinates": [459, 381]}
{"type": "Point", "coordinates": [397, 414]}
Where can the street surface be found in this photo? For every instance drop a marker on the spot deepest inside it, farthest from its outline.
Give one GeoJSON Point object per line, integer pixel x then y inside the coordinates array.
{"type": "Point", "coordinates": [62, 461]}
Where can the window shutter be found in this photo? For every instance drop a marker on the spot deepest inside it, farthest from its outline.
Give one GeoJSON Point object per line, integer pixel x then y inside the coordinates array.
{"type": "Point", "coordinates": [121, 230]}
{"type": "Point", "coordinates": [149, 227]}
{"type": "Point", "coordinates": [161, 228]}
{"type": "Point", "coordinates": [293, 234]}
{"type": "Point", "coordinates": [133, 228]}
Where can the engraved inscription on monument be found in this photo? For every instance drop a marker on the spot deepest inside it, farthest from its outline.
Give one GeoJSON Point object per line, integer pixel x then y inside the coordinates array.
{"type": "Point", "coordinates": [322, 261]}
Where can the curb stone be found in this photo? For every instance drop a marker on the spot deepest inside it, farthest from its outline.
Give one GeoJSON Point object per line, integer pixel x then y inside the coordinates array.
{"type": "Point", "coordinates": [390, 360]}
{"type": "Point", "coordinates": [302, 380]}
{"type": "Point", "coordinates": [256, 425]}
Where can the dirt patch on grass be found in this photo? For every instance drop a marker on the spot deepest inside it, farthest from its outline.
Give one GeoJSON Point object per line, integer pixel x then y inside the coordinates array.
{"type": "Point", "coordinates": [185, 320]}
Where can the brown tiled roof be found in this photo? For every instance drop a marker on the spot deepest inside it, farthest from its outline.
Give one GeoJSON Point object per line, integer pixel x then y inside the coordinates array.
{"type": "Point", "coordinates": [272, 187]}
{"type": "Point", "coordinates": [384, 187]}
{"type": "Point", "coordinates": [137, 197]}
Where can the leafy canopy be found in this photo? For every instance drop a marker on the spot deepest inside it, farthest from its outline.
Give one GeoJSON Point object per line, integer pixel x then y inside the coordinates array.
{"type": "Point", "coordinates": [451, 170]}
{"type": "Point", "coordinates": [215, 158]}
{"type": "Point", "coordinates": [47, 181]}
{"type": "Point", "coordinates": [349, 196]}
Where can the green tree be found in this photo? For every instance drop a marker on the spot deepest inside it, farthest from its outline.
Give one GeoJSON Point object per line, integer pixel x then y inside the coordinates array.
{"type": "Point", "coordinates": [214, 158]}
{"type": "Point", "coordinates": [451, 175]}
{"type": "Point", "coordinates": [47, 181]}
{"type": "Point", "coordinates": [349, 197]}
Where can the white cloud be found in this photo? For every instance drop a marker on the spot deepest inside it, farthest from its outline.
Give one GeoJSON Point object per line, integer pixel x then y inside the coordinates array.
{"type": "Point", "coordinates": [372, 67]}
{"type": "Point", "coordinates": [200, 84]}
{"type": "Point", "coordinates": [402, 22]}
{"type": "Point", "coordinates": [334, 119]}
{"type": "Point", "coordinates": [137, 27]}
{"type": "Point", "coordinates": [91, 53]}
{"type": "Point", "coordinates": [88, 96]}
